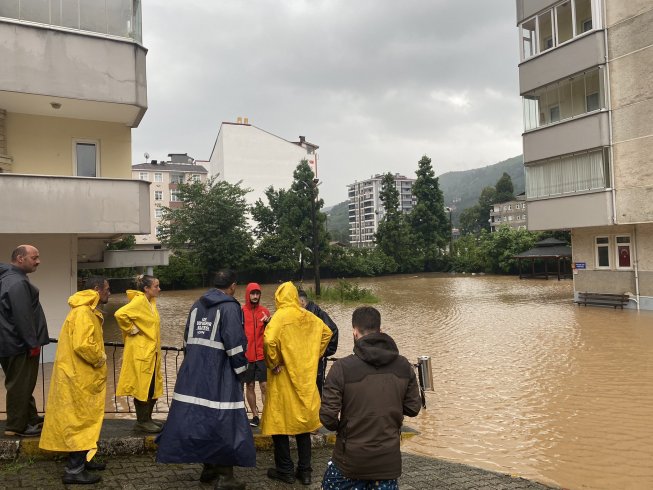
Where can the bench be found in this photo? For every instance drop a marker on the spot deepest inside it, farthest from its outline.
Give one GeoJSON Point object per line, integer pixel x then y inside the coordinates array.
{"type": "Point", "coordinates": [603, 299]}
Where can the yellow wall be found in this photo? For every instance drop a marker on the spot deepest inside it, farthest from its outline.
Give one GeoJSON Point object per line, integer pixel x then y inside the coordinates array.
{"type": "Point", "coordinates": [44, 145]}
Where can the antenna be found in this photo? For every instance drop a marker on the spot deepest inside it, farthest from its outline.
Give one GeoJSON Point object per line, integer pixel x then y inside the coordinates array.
{"type": "Point", "coordinates": [147, 156]}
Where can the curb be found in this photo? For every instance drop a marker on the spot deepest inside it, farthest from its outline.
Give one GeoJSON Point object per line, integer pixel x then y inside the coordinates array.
{"type": "Point", "coordinates": [122, 441]}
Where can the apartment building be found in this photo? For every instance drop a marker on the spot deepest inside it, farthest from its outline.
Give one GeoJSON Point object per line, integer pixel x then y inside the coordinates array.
{"type": "Point", "coordinates": [72, 87]}
{"type": "Point", "coordinates": [586, 80]}
{"type": "Point", "coordinates": [259, 159]}
{"type": "Point", "coordinates": [512, 213]}
{"type": "Point", "coordinates": [366, 209]}
{"type": "Point", "coordinates": [165, 178]}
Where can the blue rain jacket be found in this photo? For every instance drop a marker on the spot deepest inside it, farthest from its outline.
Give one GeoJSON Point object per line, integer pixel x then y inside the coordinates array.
{"type": "Point", "coordinates": [207, 422]}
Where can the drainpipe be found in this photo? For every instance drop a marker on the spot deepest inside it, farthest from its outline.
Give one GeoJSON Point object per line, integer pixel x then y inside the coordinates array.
{"type": "Point", "coordinates": [609, 104]}
{"type": "Point", "coordinates": [636, 264]}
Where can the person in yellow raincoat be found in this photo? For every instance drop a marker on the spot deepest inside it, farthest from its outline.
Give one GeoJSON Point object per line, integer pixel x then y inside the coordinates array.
{"type": "Point", "coordinates": [140, 374]}
{"type": "Point", "coordinates": [75, 405]}
{"type": "Point", "coordinates": [294, 341]}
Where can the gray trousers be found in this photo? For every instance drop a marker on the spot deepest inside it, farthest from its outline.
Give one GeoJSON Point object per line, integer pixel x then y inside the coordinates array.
{"type": "Point", "coordinates": [21, 372]}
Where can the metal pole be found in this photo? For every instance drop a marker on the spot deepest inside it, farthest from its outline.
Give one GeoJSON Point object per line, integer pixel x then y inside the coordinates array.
{"type": "Point", "coordinates": [450, 234]}
{"type": "Point", "coordinates": [316, 252]}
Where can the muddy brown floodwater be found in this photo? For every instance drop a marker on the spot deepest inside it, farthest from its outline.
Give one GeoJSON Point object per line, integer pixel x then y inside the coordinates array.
{"type": "Point", "coordinates": [526, 382]}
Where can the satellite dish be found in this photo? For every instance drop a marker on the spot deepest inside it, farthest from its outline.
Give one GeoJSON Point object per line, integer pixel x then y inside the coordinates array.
{"type": "Point", "coordinates": [147, 156]}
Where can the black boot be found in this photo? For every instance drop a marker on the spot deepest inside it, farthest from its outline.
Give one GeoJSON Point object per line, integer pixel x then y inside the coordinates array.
{"type": "Point", "coordinates": [150, 408]}
{"type": "Point", "coordinates": [209, 472]}
{"type": "Point", "coordinates": [143, 422]}
{"type": "Point", "coordinates": [227, 480]}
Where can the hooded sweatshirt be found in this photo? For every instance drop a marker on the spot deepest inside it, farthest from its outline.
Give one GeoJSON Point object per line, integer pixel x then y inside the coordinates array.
{"type": "Point", "coordinates": [365, 398]}
{"type": "Point", "coordinates": [22, 321]}
{"type": "Point", "coordinates": [254, 325]}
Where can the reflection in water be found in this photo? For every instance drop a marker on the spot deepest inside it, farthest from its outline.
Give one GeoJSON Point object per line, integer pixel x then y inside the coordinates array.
{"type": "Point", "coordinates": [525, 381]}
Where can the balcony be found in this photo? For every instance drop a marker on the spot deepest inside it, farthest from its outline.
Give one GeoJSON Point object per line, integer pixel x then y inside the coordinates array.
{"type": "Point", "coordinates": [576, 211]}
{"type": "Point", "coordinates": [73, 59]}
{"type": "Point", "coordinates": [73, 205]}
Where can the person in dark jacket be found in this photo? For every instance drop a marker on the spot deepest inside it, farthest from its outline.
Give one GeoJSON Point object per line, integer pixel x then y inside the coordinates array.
{"type": "Point", "coordinates": [333, 343]}
{"type": "Point", "coordinates": [366, 396]}
{"type": "Point", "coordinates": [23, 331]}
{"type": "Point", "coordinates": [207, 422]}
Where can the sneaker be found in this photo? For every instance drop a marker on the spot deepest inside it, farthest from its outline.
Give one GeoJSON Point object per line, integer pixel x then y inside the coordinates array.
{"type": "Point", "coordinates": [275, 474]}
{"type": "Point", "coordinates": [255, 421]}
{"type": "Point", "coordinates": [30, 431]}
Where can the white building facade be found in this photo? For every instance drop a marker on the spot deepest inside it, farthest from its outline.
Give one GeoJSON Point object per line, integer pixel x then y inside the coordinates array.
{"type": "Point", "coordinates": [72, 87]}
{"type": "Point", "coordinates": [164, 178]}
{"type": "Point", "coordinates": [512, 213]}
{"type": "Point", "coordinates": [366, 209]}
{"type": "Point", "coordinates": [587, 87]}
{"type": "Point", "coordinates": [259, 159]}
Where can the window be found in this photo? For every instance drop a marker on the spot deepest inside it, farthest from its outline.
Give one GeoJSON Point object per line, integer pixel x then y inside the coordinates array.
{"type": "Point", "coordinates": [567, 174]}
{"type": "Point", "coordinates": [174, 196]}
{"type": "Point", "coordinates": [555, 26]}
{"type": "Point", "coordinates": [558, 101]}
{"type": "Point", "coordinates": [86, 158]}
{"type": "Point", "coordinates": [158, 213]}
{"type": "Point", "coordinates": [602, 252]}
{"type": "Point", "coordinates": [158, 177]}
{"type": "Point", "coordinates": [143, 175]}
{"type": "Point", "coordinates": [623, 252]}
{"type": "Point", "coordinates": [158, 195]}
{"type": "Point", "coordinates": [195, 178]}
{"type": "Point", "coordinates": [176, 178]}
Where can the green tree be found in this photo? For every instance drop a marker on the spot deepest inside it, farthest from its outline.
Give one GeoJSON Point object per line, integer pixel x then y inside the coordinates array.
{"type": "Point", "coordinates": [504, 189]}
{"type": "Point", "coordinates": [428, 218]}
{"type": "Point", "coordinates": [285, 226]}
{"type": "Point", "coordinates": [485, 204]}
{"type": "Point", "coordinates": [470, 220]}
{"type": "Point", "coordinates": [210, 225]}
{"type": "Point", "coordinates": [394, 235]}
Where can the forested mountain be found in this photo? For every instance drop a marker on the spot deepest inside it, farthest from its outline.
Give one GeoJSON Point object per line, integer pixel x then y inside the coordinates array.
{"type": "Point", "coordinates": [461, 190]}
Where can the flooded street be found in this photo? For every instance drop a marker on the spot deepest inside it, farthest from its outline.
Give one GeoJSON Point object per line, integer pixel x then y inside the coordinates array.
{"type": "Point", "coordinates": [526, 382]}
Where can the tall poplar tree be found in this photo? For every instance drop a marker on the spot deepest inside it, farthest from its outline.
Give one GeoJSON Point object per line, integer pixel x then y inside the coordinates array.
{"type": "Point", "coordinates": [428, 218]}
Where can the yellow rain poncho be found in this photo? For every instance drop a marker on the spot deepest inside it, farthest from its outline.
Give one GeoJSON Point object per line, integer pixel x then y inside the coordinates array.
{"type": "Point", "coordinates": [295, 339]}
{"type": "Point", "coordinates": [142, 356]}
{"type": "Point", "coordinates": [75, 405]}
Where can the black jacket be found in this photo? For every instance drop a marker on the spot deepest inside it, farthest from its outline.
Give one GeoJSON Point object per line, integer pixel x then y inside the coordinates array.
{"type": "Point", "coordinates": [365, 398]}
{"type": "Point", "coordinates": [22, 321]}
{"type": "Point", "coordinates": [322, 315]}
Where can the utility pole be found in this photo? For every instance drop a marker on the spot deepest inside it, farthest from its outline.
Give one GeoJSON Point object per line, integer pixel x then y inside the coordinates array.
{"type": "Point", "coordinates": [450, 233]}
{"type": "Point", "coordinates": [316, 251]}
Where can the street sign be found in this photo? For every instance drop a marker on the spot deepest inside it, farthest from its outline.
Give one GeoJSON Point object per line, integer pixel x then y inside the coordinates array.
{"type": "Point", "coordinates": [580, 265]}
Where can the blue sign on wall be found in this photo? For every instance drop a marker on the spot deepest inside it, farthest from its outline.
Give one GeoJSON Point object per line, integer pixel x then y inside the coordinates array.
{"type": "Point", "coordinates": [580, 265]}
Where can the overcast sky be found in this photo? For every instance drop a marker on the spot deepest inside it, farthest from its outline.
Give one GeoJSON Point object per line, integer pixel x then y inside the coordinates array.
{"type": "Point", "coordinates": [375, 83]}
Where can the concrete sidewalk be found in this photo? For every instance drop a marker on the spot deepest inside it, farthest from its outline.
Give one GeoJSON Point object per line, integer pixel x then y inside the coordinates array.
{"type": "Point", "coordinates": [131, 465]}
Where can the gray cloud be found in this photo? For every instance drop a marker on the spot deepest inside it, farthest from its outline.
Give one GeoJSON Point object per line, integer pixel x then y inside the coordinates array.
{"type": "Point", "coordinates": [375, 83]}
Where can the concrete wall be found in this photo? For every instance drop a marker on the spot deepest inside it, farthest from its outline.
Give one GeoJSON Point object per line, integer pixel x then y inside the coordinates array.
{"type": "Point", "coordinates": [257, 158]}
{"type": "Point", "coordinates": [630, 44]}
{"type": "Point", "coordinates": [38, 60]}
{"type": "Point", "coordinates": [56, 277]}
{"type": "Point", "coordinates": [582, 133]}
{"type": "Point", "coordinates": [527, 8]}
{"type": "Point", "coordinates": [620, 10]}
{"type": "Point", "coordinates": [44, 145]}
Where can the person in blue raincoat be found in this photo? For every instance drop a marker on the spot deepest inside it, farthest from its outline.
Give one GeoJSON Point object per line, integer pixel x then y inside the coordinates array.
{"type": "Point", "coordinates": [207, 422]}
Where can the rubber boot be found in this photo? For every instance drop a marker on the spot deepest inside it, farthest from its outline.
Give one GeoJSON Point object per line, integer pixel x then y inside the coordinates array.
{"type": "Point", "coordinates": [150, 408]}
{"type": "Point", "coordinates": [226, 481]}
{"type": "Point", "coordinates": [143, 423]}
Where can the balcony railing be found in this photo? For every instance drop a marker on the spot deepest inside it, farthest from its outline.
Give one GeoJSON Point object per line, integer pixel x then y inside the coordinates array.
{"type": "Point", "coordinates": [119, 18]}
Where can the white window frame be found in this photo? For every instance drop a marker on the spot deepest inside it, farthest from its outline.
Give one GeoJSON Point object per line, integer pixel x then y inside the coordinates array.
{"type": "Point", "coordinates": [195, 178]}
{"type": "Point", "coordinates": [158, 177]}
{"type": "Point", "coordinates": [616, 251]}
{"type": "Point", "coordinates": [158, 213]}
{"type": "Point", "coordinates": [83, 141]}
{"type": "Point", "coordinates": [596, 252]}
{"type": "Point", "coordinates": [143, 176]}
{"type": "Point", "coordinates": [174, 196]}
{"type": "Point", "coordinates": [158, 195]}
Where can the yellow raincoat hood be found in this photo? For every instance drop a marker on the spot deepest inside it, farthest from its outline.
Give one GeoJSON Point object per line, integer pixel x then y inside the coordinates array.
{"type": "Point", "coordinates": [75, 408]}
{"type": "Point", "coordinates": [142, 354]}
{"type": "Point", "coordinates": [295, 339]}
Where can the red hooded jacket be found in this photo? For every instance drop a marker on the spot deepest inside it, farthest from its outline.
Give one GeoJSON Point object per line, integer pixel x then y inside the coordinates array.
{"type": "Point", "coordinates": [254, 326]}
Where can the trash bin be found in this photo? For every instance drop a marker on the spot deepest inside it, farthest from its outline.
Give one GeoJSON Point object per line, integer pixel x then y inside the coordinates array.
{"type": "Point", "coordinates": [425, 372]}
